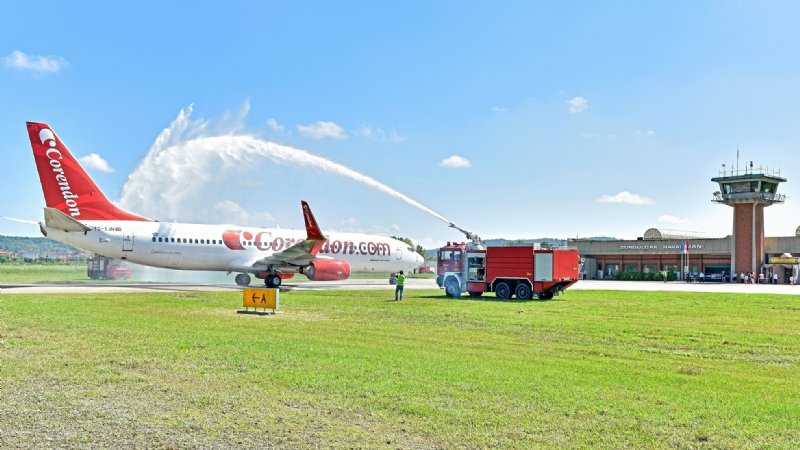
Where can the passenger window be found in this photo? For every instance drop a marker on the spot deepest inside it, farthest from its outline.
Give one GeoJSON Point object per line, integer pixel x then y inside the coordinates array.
{"type": "Point", "coordinates": [154, 238]}
{"type": "Point", "coordinates": [159, 239]}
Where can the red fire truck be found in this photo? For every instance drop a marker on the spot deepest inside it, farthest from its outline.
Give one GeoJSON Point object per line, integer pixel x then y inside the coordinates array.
{"type": "Point", "coordinates": [507, 271]}
{"type": "Point", "coordinates": [102, 268]}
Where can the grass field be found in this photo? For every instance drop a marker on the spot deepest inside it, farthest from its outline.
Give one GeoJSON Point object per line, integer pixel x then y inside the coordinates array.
{"type": "Point", "coordinates": [36, 273]}
{"type": "Point", "coordinates": [352, 369]}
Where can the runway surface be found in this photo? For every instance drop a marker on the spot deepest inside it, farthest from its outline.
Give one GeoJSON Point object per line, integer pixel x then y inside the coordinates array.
{"type": "Point", "coordinates": [94, 288]}
{"type": "Point", "coordinates": [381, 284]}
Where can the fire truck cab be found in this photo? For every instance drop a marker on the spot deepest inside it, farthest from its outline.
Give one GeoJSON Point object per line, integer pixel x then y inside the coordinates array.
{"type": "Point", "coordinates": [523, 271]}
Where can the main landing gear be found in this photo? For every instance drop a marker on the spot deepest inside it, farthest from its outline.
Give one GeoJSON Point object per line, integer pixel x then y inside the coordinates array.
{"type": "Point", "coordinates": [243, 279]}
{"type": "Point", "coordinates": [272, 281]}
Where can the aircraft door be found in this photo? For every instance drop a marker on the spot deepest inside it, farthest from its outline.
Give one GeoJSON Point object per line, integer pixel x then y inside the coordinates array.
{"type": "Point", "coordinates": [127, 241]}
{"type": "Point", "coordinates": [398, 253]}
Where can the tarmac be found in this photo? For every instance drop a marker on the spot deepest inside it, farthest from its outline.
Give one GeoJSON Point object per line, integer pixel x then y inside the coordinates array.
{"type": "Point", "coordinates": [382, 284]}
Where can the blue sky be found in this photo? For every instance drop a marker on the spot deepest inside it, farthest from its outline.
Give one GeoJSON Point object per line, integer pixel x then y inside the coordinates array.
{"type": "Point", "coordinates": [513, 119]}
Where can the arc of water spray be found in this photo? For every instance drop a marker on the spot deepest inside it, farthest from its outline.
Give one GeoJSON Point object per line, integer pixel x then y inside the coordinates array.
{"type": "Point", "coordinates": [171, 146]}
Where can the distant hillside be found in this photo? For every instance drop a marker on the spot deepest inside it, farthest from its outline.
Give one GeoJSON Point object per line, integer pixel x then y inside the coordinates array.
{"type": "Point", "coordinates": [38, 245]}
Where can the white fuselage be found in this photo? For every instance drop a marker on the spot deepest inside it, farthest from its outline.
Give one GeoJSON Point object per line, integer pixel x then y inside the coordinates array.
{"type": "Point", "coordinates": [228, 247]}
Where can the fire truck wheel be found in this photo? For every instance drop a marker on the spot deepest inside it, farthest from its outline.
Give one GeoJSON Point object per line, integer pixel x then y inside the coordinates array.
{"type": "Point", "coordinates": [243, 279]}
{"type": "Point", "coordinates": [452, 287]}
{"type": "Point", "coordinates": [502, 290]}
{"type": "Point", "coordinates": [546, 295]}
{"type": "Point", "coordinates": [523, 292]}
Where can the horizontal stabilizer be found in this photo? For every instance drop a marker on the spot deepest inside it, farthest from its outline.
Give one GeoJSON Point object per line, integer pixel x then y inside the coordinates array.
{"type": "Point", "coordinates": [54, 218]}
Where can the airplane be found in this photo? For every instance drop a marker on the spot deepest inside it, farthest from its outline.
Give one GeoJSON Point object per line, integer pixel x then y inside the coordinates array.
{"type": "Point", "coordinates": [79, 214]}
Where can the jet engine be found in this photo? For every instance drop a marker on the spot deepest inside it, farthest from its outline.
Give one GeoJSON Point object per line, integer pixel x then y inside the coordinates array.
{"type": "Point", "coordinates": [327, 270]}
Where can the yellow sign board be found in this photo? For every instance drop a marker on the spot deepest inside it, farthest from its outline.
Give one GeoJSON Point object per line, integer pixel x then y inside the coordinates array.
{"type": "Point", "coordinates": [267, 298]}
{"type": "Point", "coordinates": [783, 260]}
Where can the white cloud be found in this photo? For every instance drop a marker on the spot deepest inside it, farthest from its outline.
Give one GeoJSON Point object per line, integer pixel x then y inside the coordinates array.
{"type": "Point", "coordinates": [351, 222]}
{"type": "Point", "coordinates": [96, 162]}
{"type": "Point", "coordinates": [365, 131]}
{"type": "Point", "coordinates": [626, 197]}
{"type": "Point", "coordinates": [369, 132]}
{"type": "Point", "coordinates": [644, 133]}
{"type": "Point", "coordinates": [611, 136]}
{"type": "Point", "coordinates": [275, 126]}
{"type": "Point", "coordinates": [395, 227]}
{"type": "Point", "coordinates": [498, 109]}
{"type": "Point", "coordinates": [666, 218]}
{"type": "Point", "coordinates": [323, 129]}
{"type": "Point", "coordinates": [577, 104]}
{"type": "Point", "coordinates": [455, 162]}
{"type": "Point", "coordinates": [40, 65]}
{"type": "Point", "coordinates": [235, 213]}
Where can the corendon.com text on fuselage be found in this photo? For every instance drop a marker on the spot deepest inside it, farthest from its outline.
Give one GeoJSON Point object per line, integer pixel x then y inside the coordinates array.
{"type": "Point", "coordinates": [263, 240]}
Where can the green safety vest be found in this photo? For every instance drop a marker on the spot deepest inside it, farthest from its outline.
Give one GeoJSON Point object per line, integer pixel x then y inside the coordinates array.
{"type": "Point", "coordinates": [401, 279]}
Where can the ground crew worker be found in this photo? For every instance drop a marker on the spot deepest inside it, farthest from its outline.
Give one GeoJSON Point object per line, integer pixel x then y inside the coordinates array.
{"type": "Point", "coordinates": [398, 290]}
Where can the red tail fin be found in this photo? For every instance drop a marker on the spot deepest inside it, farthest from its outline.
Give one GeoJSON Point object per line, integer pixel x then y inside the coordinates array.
{"type": "Point", "coordinates": [67, 187]}
{"type": "Point", "coordinates": [312, 228]}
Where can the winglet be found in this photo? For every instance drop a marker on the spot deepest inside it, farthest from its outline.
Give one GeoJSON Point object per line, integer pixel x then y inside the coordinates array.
{"type": "Point", "coordinates": [311, 224]}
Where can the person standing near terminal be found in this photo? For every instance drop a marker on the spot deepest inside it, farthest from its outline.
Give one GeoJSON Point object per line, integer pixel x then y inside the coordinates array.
{"type": "Point", "coordinates": [398, 290]}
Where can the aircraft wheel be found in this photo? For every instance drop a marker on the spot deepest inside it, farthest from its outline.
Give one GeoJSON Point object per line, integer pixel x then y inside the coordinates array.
{"type": "Point", "coordinates": [523, 291]}
{"type": "Point", "coordinates": [243, 279]}
{"type": "Point", "coordinates": [502, 290]}
{"type": "Point", "coordinates": [272, 281]}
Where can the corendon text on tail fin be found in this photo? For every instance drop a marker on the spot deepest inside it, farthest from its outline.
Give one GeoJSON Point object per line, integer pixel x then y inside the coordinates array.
{"type": "Point", "coordinates": [312, 229]}
{"type": "Point", "coordinates": [67, 187]}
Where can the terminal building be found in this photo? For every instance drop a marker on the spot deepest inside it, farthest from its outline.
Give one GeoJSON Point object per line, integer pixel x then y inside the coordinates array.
{"type": "Point", "coordinates": [744, 250]}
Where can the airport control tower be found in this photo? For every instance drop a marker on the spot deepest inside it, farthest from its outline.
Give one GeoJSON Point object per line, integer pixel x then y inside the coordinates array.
{"type": "Point", "coordinates": [748, 190]}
